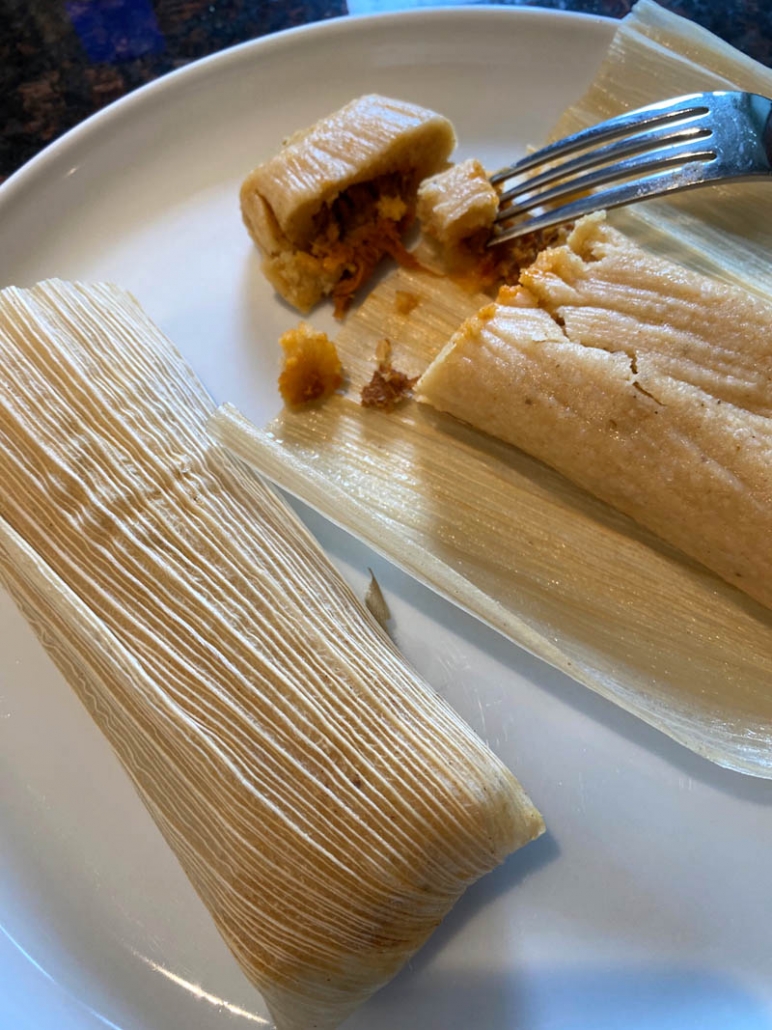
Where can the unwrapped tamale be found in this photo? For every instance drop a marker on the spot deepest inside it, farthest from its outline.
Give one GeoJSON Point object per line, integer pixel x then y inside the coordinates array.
{"type": "Point", "coordinates": [645, 383]}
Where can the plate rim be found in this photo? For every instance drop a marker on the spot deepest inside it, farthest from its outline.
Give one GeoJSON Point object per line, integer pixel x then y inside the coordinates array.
{"type": "Point", "coordinates": [77, 139]}
{"type": "Point", "coordinates": [25, 176]}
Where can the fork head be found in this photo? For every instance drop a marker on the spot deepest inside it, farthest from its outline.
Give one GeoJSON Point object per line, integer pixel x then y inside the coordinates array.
{"type": "Point", "coordinates": [662, 148]}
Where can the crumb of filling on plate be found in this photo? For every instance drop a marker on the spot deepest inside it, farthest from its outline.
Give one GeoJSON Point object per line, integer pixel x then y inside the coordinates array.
{"type": "Point", "coordinates": [388, 385]}
{"type": "Point", "coordinates": [311, 369]}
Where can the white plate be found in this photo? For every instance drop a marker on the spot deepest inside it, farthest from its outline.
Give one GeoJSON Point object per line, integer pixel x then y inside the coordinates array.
{"type": "Point", "coordinates": [647, 904]}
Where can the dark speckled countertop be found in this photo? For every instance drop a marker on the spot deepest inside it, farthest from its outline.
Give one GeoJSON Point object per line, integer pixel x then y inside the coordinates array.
{"type": "Point", "coordinates": [61, 60]}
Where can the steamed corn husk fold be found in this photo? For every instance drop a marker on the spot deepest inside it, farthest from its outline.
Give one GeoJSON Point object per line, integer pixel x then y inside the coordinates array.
{"type": "Point", "coordinates": [509, 539]}
{"type": "Point", "coordinates": [327, 806]}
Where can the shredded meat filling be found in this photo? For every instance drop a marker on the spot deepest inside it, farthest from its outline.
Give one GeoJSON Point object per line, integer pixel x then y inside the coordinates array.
{"type": "Point", "coordinates": [362, 225]}
{"type": "Point", "coordinates": [388, 385]}
{"type": "Point", "coordinates": [487, 268]}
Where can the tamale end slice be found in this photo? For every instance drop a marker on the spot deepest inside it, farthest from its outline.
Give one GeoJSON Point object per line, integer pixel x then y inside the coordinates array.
{"type": "Point", "coordinates": [457, 203]}
{"type": "Point", "coordinates": [339, 195]}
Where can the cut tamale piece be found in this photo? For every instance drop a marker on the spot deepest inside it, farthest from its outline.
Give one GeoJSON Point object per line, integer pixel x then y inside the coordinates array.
{"type": "Point", "coordinates": [645, 383]}
{"type": "Point", "coordinates": [456, 210]}
{"type": "Point", "coordinates": [339, 196]}
{"type": "Point", "coordinates": [326, 804]}
{"type": "Point", "coordinates": [457, 203]}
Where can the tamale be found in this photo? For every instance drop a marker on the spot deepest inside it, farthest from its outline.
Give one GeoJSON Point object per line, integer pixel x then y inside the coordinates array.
{"type": "Point", "coordinates": [457, 203]}
{"type": "Point", "coordinates": [326, 804]}
{"type": "Point", "coordinates": [456, 210]}
{"type": "Point", "coordinates": [339, 196]}
{"type": "Point", "coordinates": [506, 537]}
{"type": "Point", "coordinates": [521, 547]}
{"type": "Point", "coordinates": [645, 383]}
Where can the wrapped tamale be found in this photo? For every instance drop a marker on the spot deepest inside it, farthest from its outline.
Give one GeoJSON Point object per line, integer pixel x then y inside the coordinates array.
{"type": "Point", "coordinates": [326, 804]}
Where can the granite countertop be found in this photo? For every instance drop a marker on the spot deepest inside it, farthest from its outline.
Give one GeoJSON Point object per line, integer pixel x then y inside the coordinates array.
{"type": "Point", "coordinates": [61, 60]}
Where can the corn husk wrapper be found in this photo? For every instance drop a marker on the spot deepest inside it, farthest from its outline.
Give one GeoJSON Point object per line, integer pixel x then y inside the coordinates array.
{"type": "Point", "coordinates": [724, 229]}
{"type": "Point", "coordinates": [326, 804]}
{"type": "Point", "coordinates": [513, 542]}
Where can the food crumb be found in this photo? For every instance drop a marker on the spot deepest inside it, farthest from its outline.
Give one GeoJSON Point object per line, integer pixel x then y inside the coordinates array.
{"type": "Point", "coordinates": [311, 370]}
{"type": "Point", "coordinates": [485, 314]}
{"type": "Point", "coordinates": [383, 351]}
{"type": "Point", "coordinates": [388, 386]}
{"type": "Point", "coordinates": [516, 297]}
{"type": "Point", "coordinates": [405, 302]}
{"type": "Point", "coordinates": [393, 207]}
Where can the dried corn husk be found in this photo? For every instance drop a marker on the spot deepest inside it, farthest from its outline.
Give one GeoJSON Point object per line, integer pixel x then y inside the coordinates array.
{"type": "Point", "coordinates": [547, 565]}
{"type": "Point", "coordinates": [726, 228]}
{"type": "Point", "coordinates": [325, 803]}
{"type": "Point", "coordinates": [414, 337]}
{"type": "Point", "coordinates": [509, 540]}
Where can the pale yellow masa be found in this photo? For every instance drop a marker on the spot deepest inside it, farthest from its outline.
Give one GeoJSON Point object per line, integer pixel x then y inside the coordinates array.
{"type": "Point", "coordinates": [647, 384]}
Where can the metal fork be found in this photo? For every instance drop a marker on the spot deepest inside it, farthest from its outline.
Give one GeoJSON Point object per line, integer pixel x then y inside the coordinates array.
{"type": "Point", "coordinates": [662, 148]}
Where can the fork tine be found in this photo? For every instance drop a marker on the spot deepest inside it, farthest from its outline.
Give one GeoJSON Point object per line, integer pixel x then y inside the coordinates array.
{"type": "Point", "coordinates": [645, 117]}
{"type": "Point", "coordinates": [665, 135]}
{"type": "Point", "coordinates": [638, 166]}
{"type": "Point", "coordinates": [669, 181]}
{"type": "Point", "coordinates": [733, 142]}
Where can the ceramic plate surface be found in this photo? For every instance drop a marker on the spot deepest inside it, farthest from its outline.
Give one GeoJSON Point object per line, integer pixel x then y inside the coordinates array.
{"type": "Point", "coordinates": [647, 903]}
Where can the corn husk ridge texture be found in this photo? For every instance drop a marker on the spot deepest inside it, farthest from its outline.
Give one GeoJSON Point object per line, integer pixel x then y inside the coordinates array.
{"type": "Point", "coordinates": [326, 804]}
